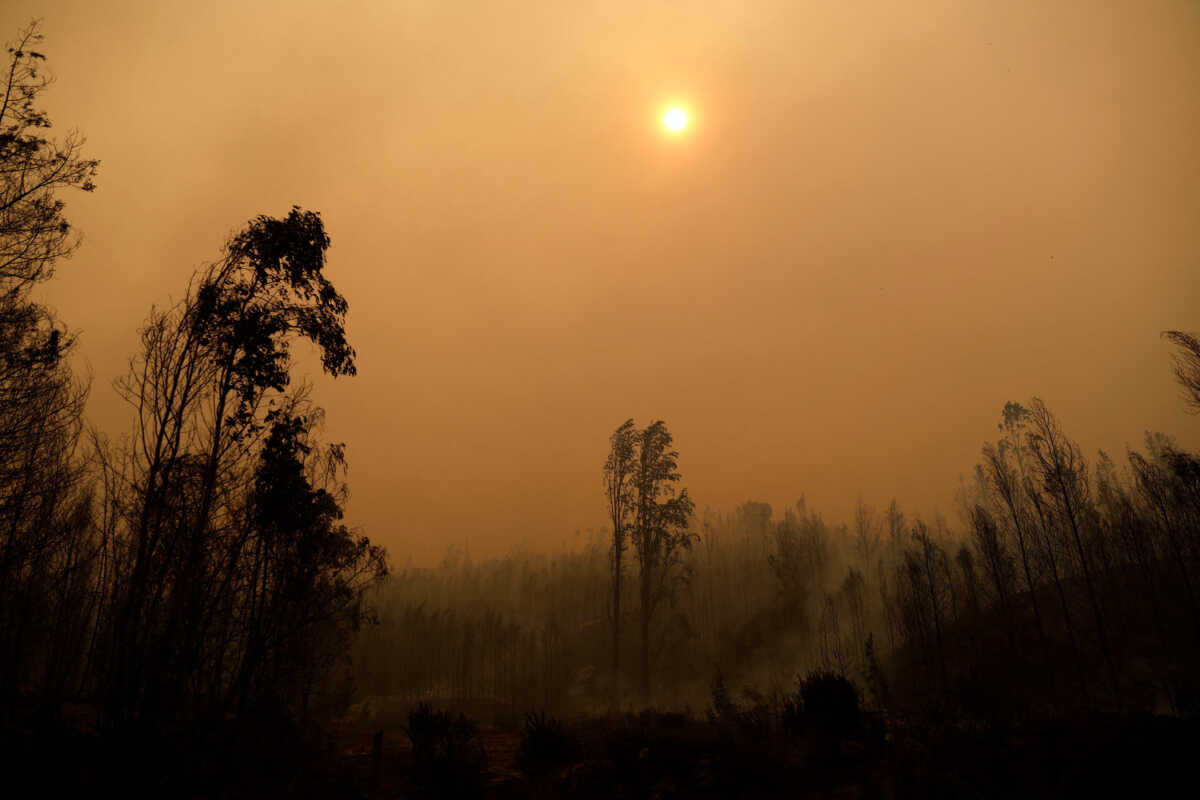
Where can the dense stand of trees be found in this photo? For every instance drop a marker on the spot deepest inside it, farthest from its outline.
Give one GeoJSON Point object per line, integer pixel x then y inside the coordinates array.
{"type": "Point", "coordinates": [1074, 587]}
{"type": "Point", "coordinates": [744, 594]}
{"type": "Point", "coordinates": [1064, 586]}
{"type": "Point", "coordinates": [197, 567]}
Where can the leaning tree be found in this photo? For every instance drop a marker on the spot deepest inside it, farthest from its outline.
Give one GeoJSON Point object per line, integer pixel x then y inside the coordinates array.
{"type": "Point", "coordinates": [210, 390]}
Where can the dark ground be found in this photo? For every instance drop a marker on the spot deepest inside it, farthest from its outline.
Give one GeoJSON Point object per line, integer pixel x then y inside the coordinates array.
{"type": "Point", "coordinates": [651, 755]}
{"type": "Point", "coordinates": [662, 756]}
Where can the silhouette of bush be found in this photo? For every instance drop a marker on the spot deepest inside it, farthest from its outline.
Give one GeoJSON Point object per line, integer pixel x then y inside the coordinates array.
{"type": "Point", "coordinates": [547, 745]}
{"type": "Point", "coordinates": [448, 757]}
{"type": "Point", "coordinates": [831, 702]}
{"type": "Point", "coordinates": [507, 720]}
{"type": "Point", "coordinates": [752, 722]}
{"type": "Point", "coordinates": [651, 752]}
{"type": "Point", "coordinates": [791, 714]}
{"type": "Point", "coordinates": [722, 707]}
{"type": "Point", "coordinates": [263, 754]}
{"type": "Point", "coordinates": [654, 754]}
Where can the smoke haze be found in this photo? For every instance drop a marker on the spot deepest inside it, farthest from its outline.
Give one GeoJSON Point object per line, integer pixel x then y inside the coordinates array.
{"type": "Point", "coordinates": [887, 220]}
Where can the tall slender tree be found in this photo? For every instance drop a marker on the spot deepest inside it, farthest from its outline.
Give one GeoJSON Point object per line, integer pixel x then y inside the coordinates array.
{"type": "Point", "coordinates": [660, 528]}
{"type": "Point", "coordinates": [619, 471]}
{"type": "Point", "coordinates": [43, 520]}
{"type": "Point", "coordinates": [1063, 475]}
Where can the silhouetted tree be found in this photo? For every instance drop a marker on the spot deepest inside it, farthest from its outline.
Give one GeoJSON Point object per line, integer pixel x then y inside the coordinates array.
{"type": "Point", "coordinates": [1004, 467]}
{"type": "Point", "coordinates": [307, 572]}
{"type": "Point", "coordinates": [1187, 366]}
{"type": "Point", "coordinates": [1153, 483]}
{"type": "Point", "coordinates": [212, 370]}
{"type": "Point", "coordinates": [619, 473]}
{"type": "Point", "coordinates": [46, 549]}
{"type": "Point", "coordinates": [798, 557]}
{"type": "Point", "coordinates": [659, 530]}
{"type": "Point", "coordinates": [34, 170]}
{"type": "Point", "coordinates": [997, 563]}
{"type": "Point", "coordinates": [1063, 475]}
{"type": "Point", "coordinates": [931, 560]}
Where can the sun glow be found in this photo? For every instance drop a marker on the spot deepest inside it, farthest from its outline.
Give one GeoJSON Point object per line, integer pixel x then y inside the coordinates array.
{"type": "Point", "coordinates": [675, 119]}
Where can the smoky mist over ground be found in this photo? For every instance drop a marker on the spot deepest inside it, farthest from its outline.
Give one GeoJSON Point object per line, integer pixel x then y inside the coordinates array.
{"type": "Point", "coordinates": [886, 220]}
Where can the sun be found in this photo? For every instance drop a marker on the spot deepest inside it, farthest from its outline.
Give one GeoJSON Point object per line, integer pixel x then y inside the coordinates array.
{"type": "Point", "coordinates": [675, 119]}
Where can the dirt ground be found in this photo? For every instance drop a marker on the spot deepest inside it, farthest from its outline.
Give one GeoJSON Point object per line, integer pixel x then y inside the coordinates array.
{"type": "Point", "coordinates": [355, 744]}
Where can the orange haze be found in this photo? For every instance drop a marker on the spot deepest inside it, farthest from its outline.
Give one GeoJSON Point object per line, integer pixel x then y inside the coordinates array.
{"type": "Point", "coordinates": [886, 220]}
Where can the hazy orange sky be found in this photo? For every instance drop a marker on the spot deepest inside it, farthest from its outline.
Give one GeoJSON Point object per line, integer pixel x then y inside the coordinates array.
{"type": "Point", "coordinates": [887, 219]}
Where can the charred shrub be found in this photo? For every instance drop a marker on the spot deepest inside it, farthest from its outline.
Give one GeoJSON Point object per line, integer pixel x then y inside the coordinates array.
{"type": "Point", "coordinates": [755, 719]}
{"type": "Point", "coordinates": [751, 721]}
{"type": "Point", "coordinates": [791, 714]}
{"type": "Point", "coordinates": [830, 702]}
{"type": "Point", "coordinates": [723, 707]}
{"type": "Point", "coordinates": [448, 757]}
{"type": "Point", "coordinates": [547, 745]}
{"type": "Point", "coordinates": [652, 752]}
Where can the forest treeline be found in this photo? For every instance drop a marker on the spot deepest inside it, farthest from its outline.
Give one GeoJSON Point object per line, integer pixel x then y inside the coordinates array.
{"type": "Point", "coordinates": [196, 567]}
{"type": "Point", "coordinates": [1066, 586]}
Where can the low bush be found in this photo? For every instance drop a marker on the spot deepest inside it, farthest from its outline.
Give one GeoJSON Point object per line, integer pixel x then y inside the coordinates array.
{"type": "Point", "coordinates": [830, 702]}
{"type": "Point", "coordinates": [547, 746]}
{"type": "Point", "coordinates": [448, 757]}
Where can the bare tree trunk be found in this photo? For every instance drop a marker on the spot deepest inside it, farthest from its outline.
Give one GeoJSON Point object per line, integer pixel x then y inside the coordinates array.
{"type": "Point", "coordinates": [1064, 474]}
{"type": "Point", "coordinates": [616, 627]}
{"type": "Point", "coordinates": [929, 556]}
{"type": "Point", "coordinates": [647, 610]}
